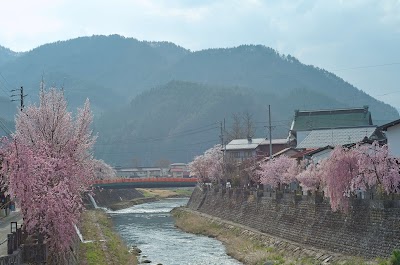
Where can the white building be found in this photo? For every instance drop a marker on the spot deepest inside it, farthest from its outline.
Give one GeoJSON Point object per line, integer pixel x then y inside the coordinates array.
{"type": "Point", "coordinates": [319, 154]}
{"type": "Point", "coordinates": [141, 172]}
{"type": "Point", "coordinates": [392, 131]}
{"type": "Point", "coordinates": [179, 170]}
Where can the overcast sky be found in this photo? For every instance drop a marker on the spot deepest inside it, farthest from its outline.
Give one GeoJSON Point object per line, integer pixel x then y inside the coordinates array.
{"type": "Point", "coordinates": [359, 40]}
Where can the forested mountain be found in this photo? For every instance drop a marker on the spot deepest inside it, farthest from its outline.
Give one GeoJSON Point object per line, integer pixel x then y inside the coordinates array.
{"type": "Point", "coordinates": [178, 120]}
{"type": "Point", "coordinates": [7, 55]}
{"type": "Point", "coordinates": [142, 89]}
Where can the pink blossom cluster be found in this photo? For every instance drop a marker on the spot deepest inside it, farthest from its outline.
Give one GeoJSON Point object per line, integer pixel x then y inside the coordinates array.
{"type": "Point", "coordinates": [345, 172]}
{"type": "Point", "coordinates": [209, 166]}
{"type": "Point", "coordinates": [279, 170]}
{"type": "Point", "coordinates": [103, 170]}
{"type": "Point", "coordinates": [49, 164]}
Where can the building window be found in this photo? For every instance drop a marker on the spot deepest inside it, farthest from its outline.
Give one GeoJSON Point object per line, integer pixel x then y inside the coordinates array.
{"type": "Point", "coordinates": [235, 154]}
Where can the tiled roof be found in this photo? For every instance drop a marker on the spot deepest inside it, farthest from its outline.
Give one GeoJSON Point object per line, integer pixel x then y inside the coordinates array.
{"type": "Point", "coordinates": [284, 151]}
{"type": "Point", "coordinates": [319, 119]}
{"type": "Point", "coordinates": [388, 125]}
{"type": "Point", "coordinates": [317, 150]}
{"type": "Point", "coordinates": [274, 141]}
{"type": "Point", "coordinates": [244, 144]}
{"type": "Point", "coordinates": [303, 153]}
{"type": "Point", "coordinates": [338, 136]}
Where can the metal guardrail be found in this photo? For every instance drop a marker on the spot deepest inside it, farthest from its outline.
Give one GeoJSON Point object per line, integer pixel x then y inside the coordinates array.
{"type": "Point", "coordinates": [14, 259]}
{"type": "Point", "coordinates": [14, 241]}
{"type": "Point", "coordinates": [14, 238]}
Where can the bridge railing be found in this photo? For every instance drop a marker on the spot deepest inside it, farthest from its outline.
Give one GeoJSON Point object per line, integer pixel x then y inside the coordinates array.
{"type": "Point", "coordinates": [141, 180]}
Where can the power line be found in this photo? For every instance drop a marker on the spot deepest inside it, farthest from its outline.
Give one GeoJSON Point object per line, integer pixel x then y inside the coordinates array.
{"type": "Point", "coordinates": [3, 89]}
{"type": "Point", "coordinates": [5, 128]}
{"type": "Point", "coordinates": [181, 134]}
{"type": "Point", "coordinates": [366, 66]}
{"type": "Point", "coordinates": [388, 93]}
{"type": "Point", "coordinates": [2, 76]}
{"type": "Point", "coordinates": [164, 150]}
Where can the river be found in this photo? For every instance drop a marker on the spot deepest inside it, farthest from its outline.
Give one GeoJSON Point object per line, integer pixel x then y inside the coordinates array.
{"type": "Point", "coordinates": [151, 227]}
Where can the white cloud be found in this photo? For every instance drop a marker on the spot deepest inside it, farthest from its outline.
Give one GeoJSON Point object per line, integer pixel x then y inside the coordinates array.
{"type": "Point", "coordinates": [330, 34]}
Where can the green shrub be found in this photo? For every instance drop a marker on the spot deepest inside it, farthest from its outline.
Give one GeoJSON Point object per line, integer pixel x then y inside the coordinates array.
{"type": "Point", "coordinates": [395, 258]}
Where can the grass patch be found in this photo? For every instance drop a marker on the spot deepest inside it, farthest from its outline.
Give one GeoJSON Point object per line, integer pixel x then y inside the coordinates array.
{"type": "Point", "coordinates": [165, 193]}
{"type": "Point", "coordinates": [111, 252]}
{"type": "Point", "coordinates": [184, 192]}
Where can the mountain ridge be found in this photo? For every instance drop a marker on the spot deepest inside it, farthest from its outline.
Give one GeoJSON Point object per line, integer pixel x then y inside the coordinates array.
{"type": "Point", "coordinates": [115, 72]}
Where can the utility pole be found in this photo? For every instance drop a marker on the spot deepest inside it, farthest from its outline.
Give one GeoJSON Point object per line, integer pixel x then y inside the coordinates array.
{"type": "Point", "coordinates": [223, 148]}
{"type": "Point", "coordinates": [270, 132]}
{"type": "Point", "coordinates": [21, 95]}
{"type": "Point", "coordinates": [225, 140]}
{"type": "Point", "coordinates": [221, 135]}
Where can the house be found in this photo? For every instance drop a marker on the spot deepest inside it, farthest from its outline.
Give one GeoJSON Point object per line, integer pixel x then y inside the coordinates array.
{"type": "Point", "coordinates": [289, 151]}
{"type": "Point", "coordinates": [340, 136]}
{"type": "Point", "coordinates": [306, 121]}
{"type": "Point", "coordinates": [277, 146]}
{"type": "Point", "coordinates": [392, 132]}
{"type": "Point", "coordinates": [179, 170]}
{"type": "Point", "coordinates": [140, 172]}
{"type": "Point", "coordinates": [242, 149]}
{"type": "Point", "coordinates": [319, 154]}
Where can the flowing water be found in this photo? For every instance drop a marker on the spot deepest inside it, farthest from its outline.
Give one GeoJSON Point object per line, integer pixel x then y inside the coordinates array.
{"type": "Point", "coordinates": [151, 228]}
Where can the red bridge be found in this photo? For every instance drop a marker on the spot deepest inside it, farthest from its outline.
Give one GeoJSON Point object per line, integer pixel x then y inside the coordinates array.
{"type": "Point", "coordinates": [126, 183]}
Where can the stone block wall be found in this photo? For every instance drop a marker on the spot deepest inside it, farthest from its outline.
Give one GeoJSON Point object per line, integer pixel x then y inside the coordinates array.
{"type": "Point", "coordinates": [371, 228]}
{"type": "Point", "coordinates": [108, 197]}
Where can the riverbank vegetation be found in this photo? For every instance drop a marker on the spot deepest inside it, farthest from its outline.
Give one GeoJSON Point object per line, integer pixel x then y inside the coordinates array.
{"type": "Point", "coordinates": [250, 249]}
{"type": "Point", "coordinates": [106, 246]}
{"type": "Point", "coordinates": [167, 193]}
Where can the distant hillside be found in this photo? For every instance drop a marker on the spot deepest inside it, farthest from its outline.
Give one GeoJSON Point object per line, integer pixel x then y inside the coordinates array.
{"type": "Point", "coordinates": [94, 67]}
{"type": "Point", "coordinates": [7, 55]}
{"type": "Point", "coordinates": [5, 127]}
{"type": "Point", "coordinates": [113, 72]}
{"type": "Point", "coordinates": [7, 108]}
{"type": "Point", "coordinates": [181, 119]}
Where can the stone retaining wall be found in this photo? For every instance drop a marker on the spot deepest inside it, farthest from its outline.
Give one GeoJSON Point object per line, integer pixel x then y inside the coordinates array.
{"type": "Point", "coordinates": [371, 228]}
{"type": "Point", "coordinates": [109, 197]}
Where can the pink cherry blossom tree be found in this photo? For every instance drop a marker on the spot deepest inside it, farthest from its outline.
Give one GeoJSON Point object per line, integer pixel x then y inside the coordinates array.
{"type": "Point", "coordinates": [214, 158]}
{"type": "Point", "coordinates": [199, 168]}
{"type": "Point", "coordinates": [49, 165]}
{"type": "Point", "coordinates": [279, 170]}
{"type": "Point", "coordinates": [208, 166]}
{"type": "Point", "coordinates": [310, 179]}
{"type": "Point", "coordinates": [103, 171]}
{"type": "Point", "coordinates": [377, 168]}
{"type": "Point", "coordinates": [338, 173]}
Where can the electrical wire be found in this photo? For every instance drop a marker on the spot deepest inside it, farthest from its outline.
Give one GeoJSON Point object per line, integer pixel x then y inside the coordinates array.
{"type": "Point", "coordinates": [5, 128]}
{"type": "Point", "coordinates": [156, 139]}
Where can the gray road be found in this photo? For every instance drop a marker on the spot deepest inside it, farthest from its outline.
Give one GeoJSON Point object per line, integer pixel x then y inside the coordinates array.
{"type": "Point", "coordinates": [5, 229]}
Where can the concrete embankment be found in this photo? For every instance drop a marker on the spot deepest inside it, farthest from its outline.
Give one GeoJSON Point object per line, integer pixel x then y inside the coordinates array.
{"type": "Point", "coordinates": [370, 230]}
